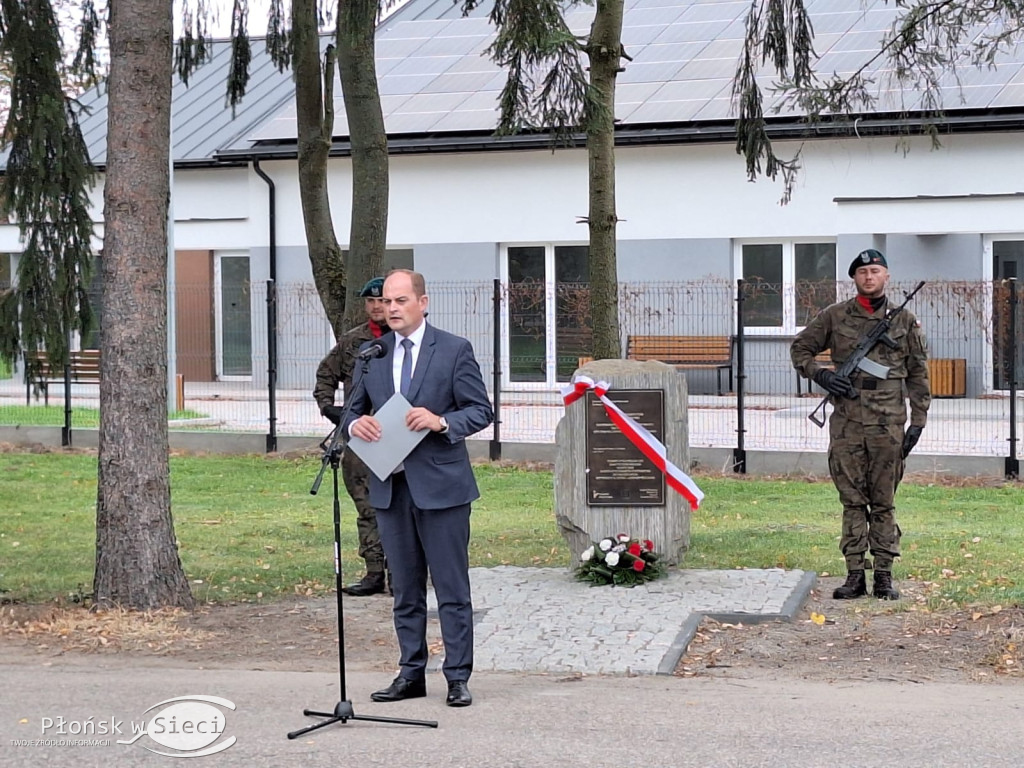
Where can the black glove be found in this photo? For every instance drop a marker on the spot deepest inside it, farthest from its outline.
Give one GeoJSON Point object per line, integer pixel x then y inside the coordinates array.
{"type": "Point", "coordinates": [840, 386]}
{"type": "Point", "coordinates": [910, 439]}
{"type": "Point", "coordinates": [333, 413]}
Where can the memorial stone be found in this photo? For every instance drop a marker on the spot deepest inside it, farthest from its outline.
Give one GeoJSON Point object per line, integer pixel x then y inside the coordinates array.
{"type": "Point", "coordinates": [603, 484]}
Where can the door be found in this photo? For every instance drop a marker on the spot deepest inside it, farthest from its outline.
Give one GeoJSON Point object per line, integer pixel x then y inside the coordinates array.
{"type": "Point", "coordinates": [234, 317]}
{"type": "Point", "coordinates": [547, 312]}
{"type": "Point", "coordinates": [1008, 261]}
{"type": "Point", "coordinates": [194, 315]}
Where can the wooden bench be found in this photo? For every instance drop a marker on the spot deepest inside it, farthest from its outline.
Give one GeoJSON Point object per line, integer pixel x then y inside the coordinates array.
{"type": "Point", "coordinates": [84, 366]}
{"type": "Point", "coordinates": [685, 352]}
{"type": "Point", "coordinates": [822, 358]}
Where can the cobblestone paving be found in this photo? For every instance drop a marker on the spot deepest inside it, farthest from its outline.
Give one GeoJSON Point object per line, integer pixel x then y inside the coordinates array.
{"type": "Point", "coordinates": [542, 620]}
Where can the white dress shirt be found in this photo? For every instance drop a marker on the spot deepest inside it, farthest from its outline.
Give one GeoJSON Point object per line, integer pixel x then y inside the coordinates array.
{"type": "Point", "coordinates": [416, 337]}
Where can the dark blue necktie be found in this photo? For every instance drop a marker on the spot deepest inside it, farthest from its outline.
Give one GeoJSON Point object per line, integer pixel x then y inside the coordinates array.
{"type": "Point", "coordinates": [406, 378]}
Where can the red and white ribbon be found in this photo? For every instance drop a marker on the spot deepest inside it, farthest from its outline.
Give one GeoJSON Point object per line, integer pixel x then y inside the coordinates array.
{"type": "Point", "coordinates": [639, 435]}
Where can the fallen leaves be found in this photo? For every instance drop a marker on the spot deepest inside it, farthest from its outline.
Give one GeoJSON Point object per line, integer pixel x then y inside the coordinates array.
{"type": "Point", "coordinates": [78, 629]}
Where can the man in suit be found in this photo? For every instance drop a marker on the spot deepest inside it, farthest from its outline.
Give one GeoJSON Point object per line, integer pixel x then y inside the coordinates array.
{"type": "Point", "coordinates": [423, 508]}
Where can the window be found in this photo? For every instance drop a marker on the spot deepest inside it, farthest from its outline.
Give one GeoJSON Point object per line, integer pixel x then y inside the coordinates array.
{"type": "Point", "coordinates": [547, 312]}
{"type": "Point", "coordinates": [787, 283]}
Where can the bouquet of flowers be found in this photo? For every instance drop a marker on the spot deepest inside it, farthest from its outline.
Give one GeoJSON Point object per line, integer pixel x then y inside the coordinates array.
{"type": "Point", "coordinates": [620, 560]}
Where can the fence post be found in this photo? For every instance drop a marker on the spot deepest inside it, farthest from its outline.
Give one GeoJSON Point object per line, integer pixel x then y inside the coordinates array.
{"type": "Point", "coordinates": [1012, 463]}
{"type": "Point", "coordinates": [272, 363]}
{"type": "Point", "coordinates": [739, 453]}
{"type": "Point", "coordinates": [495, 446]}
{"type": "Point", "coordinates": [65, 432]}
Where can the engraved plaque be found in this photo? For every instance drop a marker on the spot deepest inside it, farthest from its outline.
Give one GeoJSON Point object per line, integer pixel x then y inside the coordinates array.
{"type": "Point", "coordinates": [618, 474]}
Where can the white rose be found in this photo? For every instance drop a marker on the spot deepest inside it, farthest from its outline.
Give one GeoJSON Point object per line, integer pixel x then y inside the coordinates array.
{"type": "Point", "coordinates": [623, 537]}
{"type": "Point", "coordinates": [612, 558]}
{"type": "Point", "coordinates": [605, 545]}
{"type": "Point", "coordinates": [588, 553]}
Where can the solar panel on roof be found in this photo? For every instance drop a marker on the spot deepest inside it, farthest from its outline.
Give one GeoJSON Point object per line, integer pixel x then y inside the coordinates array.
{"type": "Point", "coordinates": [720, 11]}
{"type": "Point", "coordinates": [463, 81]}
{"type": "Point", "coordinates": [702, 69]}
{"type": "Point", "coordinates": [431, 102]}
{"type": "Point", "coordinates": [424, 65]}
{"type": "Point", "coordinates": [398, 84]}
{"type": "Point", "coordinates": [676, 52]}
{"type": "Point", "coordinates": [684, 54]}
{"type": "Point", "coordinates": [665, 111]}
{"type": "Point", "coordinates": [453, 46]}
{"type": "Point", "coordinates": [655, 72]}
{"type": "Point", "coordinates": [685, 33]}
{"type": "Point", "coordinates": [660, 17]}
{"type": "Point", "coordinates": [632, 36]}
{"type": "Point", "coordinates": [397, 48]}
{"type": "Point", "coordinates": [475, 120]}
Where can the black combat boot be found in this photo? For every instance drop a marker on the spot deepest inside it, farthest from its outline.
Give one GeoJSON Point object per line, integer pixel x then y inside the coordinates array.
{"type": "Point", "coordinates": [883, 588]}
{"type": "Point", "coordinates": [371, 584]}
{"type": "Point", "coordinates": [856, 586]}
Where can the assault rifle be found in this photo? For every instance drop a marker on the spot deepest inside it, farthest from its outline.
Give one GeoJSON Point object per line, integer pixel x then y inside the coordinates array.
{"type": "Point", "coordinates": [859, 358]}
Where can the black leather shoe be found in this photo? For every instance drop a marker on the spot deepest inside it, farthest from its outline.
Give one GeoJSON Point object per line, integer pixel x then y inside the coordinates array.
{"type": "Point", "coordinates": [458, 694]}
{"type": "Point", "coordinates": [401, 689]}
{"type": "Point", "coordinates": [371, 584]}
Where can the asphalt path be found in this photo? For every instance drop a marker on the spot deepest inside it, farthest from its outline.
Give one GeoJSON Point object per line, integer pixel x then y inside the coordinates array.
{"type": "Point", "coordinates": [517, 720]}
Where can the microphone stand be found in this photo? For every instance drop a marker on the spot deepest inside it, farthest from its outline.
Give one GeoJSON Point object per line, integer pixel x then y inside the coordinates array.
{"type": "Point", "coordinates": [333, 447]}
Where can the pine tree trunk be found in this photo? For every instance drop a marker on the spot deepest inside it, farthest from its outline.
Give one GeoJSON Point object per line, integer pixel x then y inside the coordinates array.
{"type": "Point", "coordinates": [314, 107]}
{"type": "Point", "coordinates": [604, 50]}
{"type": "Point", "coordinates": [137, 563]}
{"type": "Point", "coordinates": [358, 69]}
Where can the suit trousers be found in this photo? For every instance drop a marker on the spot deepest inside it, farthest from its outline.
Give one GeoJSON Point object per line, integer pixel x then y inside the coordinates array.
{"type": "Point", "coordinates": [416, 540]}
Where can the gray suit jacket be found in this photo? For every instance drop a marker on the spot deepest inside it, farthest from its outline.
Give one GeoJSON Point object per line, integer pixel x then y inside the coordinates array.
{"type": "Point", "coordinates": [446, 381]}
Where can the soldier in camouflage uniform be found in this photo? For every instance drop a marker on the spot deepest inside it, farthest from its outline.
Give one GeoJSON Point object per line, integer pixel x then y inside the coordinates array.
{"type": "Point", "coordinates": [868, 445]}
{"type": "Point", "coordinates": [335, 368]}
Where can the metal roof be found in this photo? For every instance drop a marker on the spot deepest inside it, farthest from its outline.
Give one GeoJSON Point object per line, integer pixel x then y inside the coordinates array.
{"type": "Point", "coordinates": [438, 86]}
{"type": "Point", "coordinates": [202, 121]}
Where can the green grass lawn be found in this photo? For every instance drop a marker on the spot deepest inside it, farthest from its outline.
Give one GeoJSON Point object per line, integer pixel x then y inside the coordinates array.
{"type": "Point", "coordinates": [53, 416]}
{"type": "Point", "coordinates": [249, 529]}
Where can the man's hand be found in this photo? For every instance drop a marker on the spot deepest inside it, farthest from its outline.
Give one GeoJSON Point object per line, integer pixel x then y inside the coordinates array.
{"type": "Point", "coordinates": [333, 414]}
{"type": "Point", "coordinates": [910, 439]}
{"type": "Point", "coordinates": [840, 386]}
{"type": "Point", "coordinates": [366, 428]}
{"type": "Point", "coordinates": [420, 418]}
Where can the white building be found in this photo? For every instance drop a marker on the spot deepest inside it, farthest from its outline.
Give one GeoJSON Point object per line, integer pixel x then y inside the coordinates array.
{"type": "Point", "coordinates": [468, 208]}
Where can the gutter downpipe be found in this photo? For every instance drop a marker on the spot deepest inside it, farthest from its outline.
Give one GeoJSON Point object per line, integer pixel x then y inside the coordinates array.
{"type": "Point", "coordinates": [271, 307]}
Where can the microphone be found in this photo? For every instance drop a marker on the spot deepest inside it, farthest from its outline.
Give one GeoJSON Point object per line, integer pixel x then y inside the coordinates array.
{"type": "Point", "coordinates": [374, 350]}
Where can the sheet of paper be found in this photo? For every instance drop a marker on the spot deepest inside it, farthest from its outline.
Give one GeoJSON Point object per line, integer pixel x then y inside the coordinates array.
{"type": "Point", "coordinates": [396, 439]}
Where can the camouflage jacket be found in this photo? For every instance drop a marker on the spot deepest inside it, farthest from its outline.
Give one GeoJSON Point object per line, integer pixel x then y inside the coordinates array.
{"type": "Point", "coordinates": [838, 328]}
{"type": "Point", "coordinates": [336, 367]}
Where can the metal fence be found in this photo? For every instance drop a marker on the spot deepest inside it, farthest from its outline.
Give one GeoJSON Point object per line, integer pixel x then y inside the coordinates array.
{"type": "Point", "coordinates": [246, 359]}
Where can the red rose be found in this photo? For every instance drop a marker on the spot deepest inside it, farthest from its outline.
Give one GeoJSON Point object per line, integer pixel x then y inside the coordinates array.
{"type": "Point", "coordinates": [634, 549]}
{"type": "Point", "coordinates": [638, 565]}
{"type": "Point", "coordinates": [649, 545]}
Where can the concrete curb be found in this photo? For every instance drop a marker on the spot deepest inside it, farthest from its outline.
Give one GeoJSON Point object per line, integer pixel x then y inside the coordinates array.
{"type": "Point", "coordinates": [689, 629]}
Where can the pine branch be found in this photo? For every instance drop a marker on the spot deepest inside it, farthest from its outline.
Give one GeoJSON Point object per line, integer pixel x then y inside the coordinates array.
{"type": "Point", "coordinates": [547, 83]}
{"type": "Point", "coordinates": [45, 187]}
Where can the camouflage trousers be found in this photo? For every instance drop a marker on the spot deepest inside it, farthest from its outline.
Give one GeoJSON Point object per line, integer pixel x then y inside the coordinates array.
{"type": "Point", "coordinates": [866, 463]}
{"type": "Point", "coordinates": [357, 482]}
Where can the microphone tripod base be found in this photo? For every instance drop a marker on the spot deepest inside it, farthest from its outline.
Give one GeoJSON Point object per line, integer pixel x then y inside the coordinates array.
{"type": "Point", "coordinates": [343, 712]}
